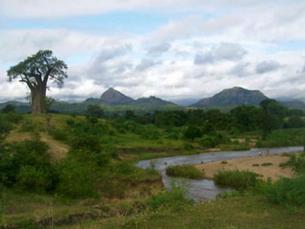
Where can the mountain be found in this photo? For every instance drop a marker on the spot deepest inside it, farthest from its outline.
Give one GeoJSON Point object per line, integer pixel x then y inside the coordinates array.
{"type": "Point", "coordinates": [115, 100]}
{"type": "Point", "coordinates": [114, 97]}
{"type": "Point", "coordinates": [232, 97]}
{"type": "Point", "coordinates": [185, 102]}
{"type": "Point", "coordinates": [153, 102]}
{"type": "Point", "coordinates": [21, 107]}
{"type": "Point", "coordinates": [294, 104]}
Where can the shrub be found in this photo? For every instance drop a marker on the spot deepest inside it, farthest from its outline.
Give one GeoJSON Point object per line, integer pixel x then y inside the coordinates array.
{"type": "Point", "coordinates": [77, 179]}
{"type": "Point", "coordinates": [192, 132]}
{"type": "Point", "coordinates": [296, 162]}
{"type": "Point", "coordinates": [28, 165]}
{"type": "Point", "coordinates": [58, 134]}
{"type": "Point", "coordinates": [174, 199]}
{"type": "Point", "coordinates": [267, 164]}
{"type": "Point", "coordinates": [35, 179]}
{"type": "Point", "coordinates": [186, 171]}
{"type": "Point", "coordinates": [240, 180]}
{"type": "Point", "coordinates": [288, 191]}
{"type": "Point", "coordinates": [5, 126]}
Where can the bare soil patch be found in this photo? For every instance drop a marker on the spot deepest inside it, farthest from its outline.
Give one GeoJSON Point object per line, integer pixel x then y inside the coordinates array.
{"type": "Point", "coordinates": [266, 166]}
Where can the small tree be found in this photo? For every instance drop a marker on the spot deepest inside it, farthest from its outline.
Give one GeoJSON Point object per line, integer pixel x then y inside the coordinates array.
{"type": "Point", "coordinates": [192, 132]}
{"type": "Point", "coordinates": [35, 71]}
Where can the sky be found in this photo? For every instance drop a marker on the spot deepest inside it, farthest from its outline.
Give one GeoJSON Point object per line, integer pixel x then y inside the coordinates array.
{"type": "Point", "coordinates": [173, 49]}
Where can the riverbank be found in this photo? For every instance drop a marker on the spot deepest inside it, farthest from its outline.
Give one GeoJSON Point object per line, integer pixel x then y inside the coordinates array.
{"type": "Point", "coordinates": [268, 167]}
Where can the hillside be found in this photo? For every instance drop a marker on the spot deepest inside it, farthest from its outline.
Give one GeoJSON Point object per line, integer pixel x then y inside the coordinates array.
{"type": "Point", "coordinates": [294, 104]}
{"type": "Point", "coordinates": [232, 97]}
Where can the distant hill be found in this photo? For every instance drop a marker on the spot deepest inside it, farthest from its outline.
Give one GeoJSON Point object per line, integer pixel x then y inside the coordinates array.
{"type": "Point", "coordinates": [115, 100]}
{"type": "Point", "coordinates": [231, 98]}
{"type": "Point", "coordinates": [294, 104]}
{"type": "Point", "coordinates": [21, 107]}
{"type": "Point", "coordinates": [152, 101]}
{"type": "Point", "coordinates": [114, 97]}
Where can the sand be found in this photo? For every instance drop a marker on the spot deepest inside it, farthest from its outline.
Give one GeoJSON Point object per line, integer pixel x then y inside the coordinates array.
{"type": "Point", "coordinates": [253, 164]}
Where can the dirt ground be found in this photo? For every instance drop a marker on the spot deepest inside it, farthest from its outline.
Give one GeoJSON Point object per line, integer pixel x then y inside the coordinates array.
{"type": "Point", "coordinates": [58, 150]}
{"type": "Point", "coordinates": [267, 166]}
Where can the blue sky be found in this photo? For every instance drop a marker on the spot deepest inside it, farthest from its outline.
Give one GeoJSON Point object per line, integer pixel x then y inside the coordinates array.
{"type": "Point", "coordinates": [173, 49]}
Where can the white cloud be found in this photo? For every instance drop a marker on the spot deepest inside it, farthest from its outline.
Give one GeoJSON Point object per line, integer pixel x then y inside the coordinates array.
{"type": "Point", "coordinates": [247, 43]}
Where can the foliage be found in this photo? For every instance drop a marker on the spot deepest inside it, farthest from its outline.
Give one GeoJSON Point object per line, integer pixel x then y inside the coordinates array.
{"type": "Point", "coordinates": [283, 137]}
{"type": "Point", "coordinates": [240, 180]}
{"type": "Point", "coordinates": [192, 132]}
{"type": "Point", "coordinates": [95, 110]}
{"type": "Point", "coordinates": [77, 178]}
{"type": "Point", "coordinates": [186, 171]}
{"type": "Point", "coordinates": [27, 164]}
{"type": "Point", "coordinates": [58, 134]}
{"type": "Point", "coordinates": [296, 162]}
{"type": "Point", "coordinates": [174, 199]}
{"type": "Point", "coordinates": [288, 191]}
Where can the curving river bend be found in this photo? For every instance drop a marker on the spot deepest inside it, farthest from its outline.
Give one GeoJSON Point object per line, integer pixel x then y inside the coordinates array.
{"type": "Point", "coordinates": [200, 190]}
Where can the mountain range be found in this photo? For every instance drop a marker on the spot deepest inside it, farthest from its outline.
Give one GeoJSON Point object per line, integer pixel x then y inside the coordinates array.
{"type": "Point", "coordinates": [114, 100]}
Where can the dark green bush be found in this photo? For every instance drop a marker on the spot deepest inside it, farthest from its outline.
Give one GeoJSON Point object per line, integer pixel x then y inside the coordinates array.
{"type": "Point", "coordinates": [174, 199]}
{"type": "Point", "coordinates": [35, 179]}
{"type": "Point", "coordinates": [288, 191]}
{"type": "Point", "coordinates": [58, 134]}
{"type": "Point", "coordinates": [240, 180]}
{"type": "Point", "coordinates": [77, 179]}
{"type": "Point", "coordinates": [186, 171]}
{"type": "Point", "coordinates": [28, 165]}
{"type": "Point", "coordinates": [192, 132]}
{"type": "Point", "coordinates": [296, 162]}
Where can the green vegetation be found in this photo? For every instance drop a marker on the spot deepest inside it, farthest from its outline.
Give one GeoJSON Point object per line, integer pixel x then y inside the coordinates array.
{"type": "Point", "coordinates": [297, 163]}
{"type": "Point", "coordinates": [239, 180]}
{"type": "Point", "coordinates": [81, 169]}
{"type": "Point", "coordinates": [251, 212]}
{"type": "Point", "coordinates": [288, 191]}
{"type": "Point", "coordinates": [186, 171]}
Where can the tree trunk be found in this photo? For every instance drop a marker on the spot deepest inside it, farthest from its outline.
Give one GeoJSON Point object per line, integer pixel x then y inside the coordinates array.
{"type": "Point", "coordinates": [38, 100]}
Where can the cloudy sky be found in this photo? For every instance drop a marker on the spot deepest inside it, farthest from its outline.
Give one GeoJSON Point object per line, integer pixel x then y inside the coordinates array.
{"type": "Point", "coordinates": [173, 49]}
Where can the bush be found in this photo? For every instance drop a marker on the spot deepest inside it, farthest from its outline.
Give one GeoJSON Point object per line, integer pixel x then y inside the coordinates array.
{"type": "Point", "coordinates": [35, 179]}
{"type": "Point", "coordinates": [77, 179]}
{"type": "Point", "coordinates": [288, 191]}
{"type": "Point", "coordinates": [186, 171]}
{"type": "Point", "coordinates": [28, 165]}
{"type": "Point", "coordinates": [297, 163]}
{"type": "Point", "coordinates": [174, 198]}
{"type": "Point", "coordinates": [192, 132]}
{"type": "Point", "coordinates": [58, 134]}
{"type": "Point", "coordinates": [5, 126]}
{"type": "Point", "coordinates": [240, 180]}
{"type": "Point", "coordinates": [208, 141]}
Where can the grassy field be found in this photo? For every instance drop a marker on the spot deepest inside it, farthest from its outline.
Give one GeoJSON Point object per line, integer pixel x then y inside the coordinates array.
{"type": "Point", "coordinates": [234, 212]}
{"type": "Point", "coordinates": [99, 186]}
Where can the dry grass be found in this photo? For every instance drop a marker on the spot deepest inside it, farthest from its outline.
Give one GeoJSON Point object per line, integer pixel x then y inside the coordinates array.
{"type": "Point", "coordinates": [57, 149]}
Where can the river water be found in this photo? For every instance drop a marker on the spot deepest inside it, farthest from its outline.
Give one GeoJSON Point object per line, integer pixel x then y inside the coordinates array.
{"type": "Point", "coordinates": [201, 190]}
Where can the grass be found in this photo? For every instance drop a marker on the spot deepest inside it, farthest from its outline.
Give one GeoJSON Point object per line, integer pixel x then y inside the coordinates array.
{"type": "Point", "coordinates": [284, 137]}
{"type": "Point", "coordinates": [240, 180]}
{"type": "Point", "coordinates": [251, 212]}
{"type": "Point", "coordinates": [185, 171]}
{"type": "Point", "coordinates": [296, 162]}
{"type": "Point", "coordinates": [130, 197]}
{"type": "Point", "coordinates": [288, 191]}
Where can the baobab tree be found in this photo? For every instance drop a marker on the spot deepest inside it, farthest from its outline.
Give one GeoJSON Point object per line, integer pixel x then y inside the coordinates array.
{"type": "Point", "coordinates": [35, 71]}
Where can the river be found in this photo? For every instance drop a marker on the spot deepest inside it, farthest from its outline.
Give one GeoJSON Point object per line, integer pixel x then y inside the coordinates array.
{"type": "Point", "coordinates": [202, 190]}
